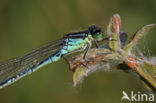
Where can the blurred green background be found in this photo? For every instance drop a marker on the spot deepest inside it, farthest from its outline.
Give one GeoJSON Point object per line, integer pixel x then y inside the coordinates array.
{"type": "Point", "coordinates": [27, 24]}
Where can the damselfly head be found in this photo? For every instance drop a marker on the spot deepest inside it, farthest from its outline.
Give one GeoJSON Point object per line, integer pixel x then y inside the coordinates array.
{"type": "Point", "coordinates": [96, 32]}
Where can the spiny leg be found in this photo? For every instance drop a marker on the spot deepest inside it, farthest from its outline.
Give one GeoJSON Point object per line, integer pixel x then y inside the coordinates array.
{"type": "Point", "coordinates": [96, 44]}
{"type": "Point", "coordinates": [67, 61]}
{"type": "Point", "coordinates": [86, 50]}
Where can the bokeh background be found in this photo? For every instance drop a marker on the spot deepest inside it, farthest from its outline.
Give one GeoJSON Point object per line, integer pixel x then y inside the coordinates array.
{"type": "Point", "coordinates": [27, 24]}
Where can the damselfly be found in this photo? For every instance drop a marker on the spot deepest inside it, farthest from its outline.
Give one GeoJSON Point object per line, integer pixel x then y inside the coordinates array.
{"type": "Point", "coordinates": [14, 69]}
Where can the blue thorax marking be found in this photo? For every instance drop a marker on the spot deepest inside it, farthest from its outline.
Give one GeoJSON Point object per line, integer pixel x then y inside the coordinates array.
{"type": "Point", "coordinates": [71, 44]}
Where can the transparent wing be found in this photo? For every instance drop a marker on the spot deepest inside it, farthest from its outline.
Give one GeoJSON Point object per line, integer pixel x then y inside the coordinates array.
{"type": "Point", "coordinates": [18, 65]}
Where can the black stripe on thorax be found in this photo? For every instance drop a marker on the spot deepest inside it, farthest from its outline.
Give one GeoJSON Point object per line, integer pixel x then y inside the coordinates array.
{"type": "Point", "coordinates": [77, 35]}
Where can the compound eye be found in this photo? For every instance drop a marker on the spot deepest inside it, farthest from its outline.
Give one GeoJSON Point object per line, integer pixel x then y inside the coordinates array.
{"type": "Point", "coordinates": [94, 30]}
{"type": "Point", "coordinates": [98, 31]}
